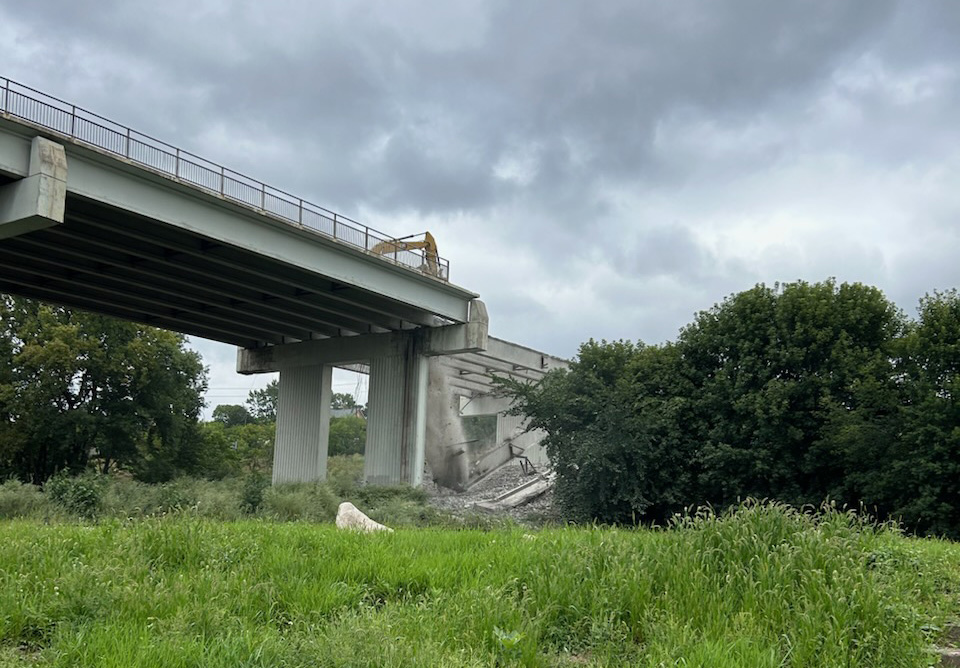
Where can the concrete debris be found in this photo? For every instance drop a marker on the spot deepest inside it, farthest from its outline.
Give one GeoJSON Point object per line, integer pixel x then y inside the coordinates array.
{"type": "Point", "coordinates": [951, 634]}
{"type": "Point", "coordinates": [502, 481]}
{"type": "Point", "coordinates": [949, 657]}
{"type": "Point", "coordinates": [518, 496]}
{"type": "Point", "coordinates": [350, 517]}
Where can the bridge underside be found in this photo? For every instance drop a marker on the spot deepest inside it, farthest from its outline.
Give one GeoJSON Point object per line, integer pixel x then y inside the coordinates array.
{"type": "Point", "coordinates": [110, 262]}
{"type": "Point", "coordinates": [90, 231]}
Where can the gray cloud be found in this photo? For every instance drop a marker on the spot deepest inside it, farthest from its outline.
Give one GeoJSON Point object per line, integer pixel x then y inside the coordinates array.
{"type": "Point", "coordinates": [592, 169]}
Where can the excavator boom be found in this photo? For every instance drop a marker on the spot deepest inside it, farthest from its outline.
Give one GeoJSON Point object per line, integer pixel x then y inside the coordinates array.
{"type": "Point", "coordinates": [428, 245]}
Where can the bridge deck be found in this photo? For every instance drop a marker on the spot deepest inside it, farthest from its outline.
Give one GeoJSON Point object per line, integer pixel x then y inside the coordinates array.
{"type": "Point", "coordinates": [66, 121]}
{"type": "Point", "coordinates": [150, 247]}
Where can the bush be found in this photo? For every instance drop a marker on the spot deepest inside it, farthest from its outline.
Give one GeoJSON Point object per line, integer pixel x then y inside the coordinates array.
{"type": "Point", "coordinates": [344, 474]}
{"type": "Point", "coordinates": [19, 500]}
{"type": "Point", "coordinates": [121, 496]}
{"type": "Point", "coordinates": [798, 392]}
{"type": "Point", "coordinates": [81, 495]}
{"type": "Point", "coordinates": [130, 498]}
{"type": "Point", "coordinates": [251, 497]}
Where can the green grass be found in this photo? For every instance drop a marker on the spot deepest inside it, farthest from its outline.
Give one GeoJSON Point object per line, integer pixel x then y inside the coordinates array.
{"type": "Point", "coordinates": [765, 586]}
{"type": "Point", "coordinates": [93, 497]}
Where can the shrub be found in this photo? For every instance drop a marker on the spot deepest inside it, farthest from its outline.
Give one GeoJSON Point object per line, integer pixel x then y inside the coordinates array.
{"type": "Point", "coordinates": [82, 494]}
{"type": "Point", "coordinates": [19, 500]}
{"type": "Point", "coordinates": [251, 497]}
{"type": "Point", "coordinates": [344, 473]}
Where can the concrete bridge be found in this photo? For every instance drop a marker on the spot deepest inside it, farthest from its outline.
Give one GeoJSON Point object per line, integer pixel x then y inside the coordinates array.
{"type": "Point", "coordinates": [96, 216]}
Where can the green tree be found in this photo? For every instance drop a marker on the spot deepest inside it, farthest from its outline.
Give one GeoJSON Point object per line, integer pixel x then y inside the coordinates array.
{"type": "Point", "coordinates": [78, 388]}
{"type": "Point", "coordinates": [790, 392]}
{"type": "Point", "coordinates": [262, 403]}
{"type": "Point", "coordinates": [348, 435]}
{"type": "Point", "coordinates": [924, 468]}
{"type": "Point", "coordinates": [232, 415]}
{"type": "Point", "coordinates": [238, 449]}
{"type": "Point", "coordinates": [768, 368]}
{"type": "Point", "coordinates": [343, 400]}
{"type": "Point", "coordinates": [586, 424]}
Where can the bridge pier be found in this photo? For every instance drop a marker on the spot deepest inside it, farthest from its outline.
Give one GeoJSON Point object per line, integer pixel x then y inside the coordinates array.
{"type": "Point", "coordinates": [303, 424]}
{"type": "Point", "coordinates": [396, 404]}
{"type": "Point", "coordinates": [396, 418]}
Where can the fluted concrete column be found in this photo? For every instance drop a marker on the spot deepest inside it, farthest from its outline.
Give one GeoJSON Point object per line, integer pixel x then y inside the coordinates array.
{"type": "Point", "coordinates": [303, 424]}
{"type": "Point", "coordinates": [396, 418]}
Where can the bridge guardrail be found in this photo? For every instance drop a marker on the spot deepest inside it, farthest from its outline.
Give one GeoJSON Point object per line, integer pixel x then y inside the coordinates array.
{"type": "Point", "coordinates": [53, 114]}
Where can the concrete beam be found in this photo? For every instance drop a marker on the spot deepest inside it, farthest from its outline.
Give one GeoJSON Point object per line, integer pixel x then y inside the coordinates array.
{"type": "Point", "coordinates": [38, 200]}
{"type": "Point", "coordinates": [521, 356]}
{"type": "Point", "coordinates": [342, 350]}
{"type": "Point", "coordinates": [14, 154]}
{"type": "Point", "coordinates": [485, 405]}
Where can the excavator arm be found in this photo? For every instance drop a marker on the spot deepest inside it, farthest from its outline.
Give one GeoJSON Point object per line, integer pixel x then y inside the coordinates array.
{"type": "Point", "coordinates": [428, 245]}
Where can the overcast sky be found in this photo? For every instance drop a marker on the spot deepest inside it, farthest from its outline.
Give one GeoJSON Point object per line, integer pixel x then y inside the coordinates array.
{"type": "Point", "coordinates": [593, 169]}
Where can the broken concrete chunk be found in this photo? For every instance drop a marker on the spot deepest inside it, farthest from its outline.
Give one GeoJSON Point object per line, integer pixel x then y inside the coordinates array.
{"type": "Point", "coordinates": [350, 517]}
{"type": "Point", "coordinates": [949, 657]}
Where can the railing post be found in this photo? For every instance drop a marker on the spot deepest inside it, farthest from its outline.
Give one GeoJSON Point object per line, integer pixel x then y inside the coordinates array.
{"type": "Point", "coordinates": [263, 197]}
{"type": "Point", "coordinates": [334, 226]}
{"type": "Point", "coordinates": [73, 118]}
{"type": "Point", "coordinates": [6, 96]}
{"type": "Point", "coordinates": [126, 153]}
{"type": "Point", "coordinates": [176, 164]}
{"type": "Point", "coordinates": [222, 179]}
{"type": "Point", "coordinates": [300, 213]}
{"type": "Point", "coordinates": [366, 238]}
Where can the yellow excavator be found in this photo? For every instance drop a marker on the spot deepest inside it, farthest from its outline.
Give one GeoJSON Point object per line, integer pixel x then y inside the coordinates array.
{"type": "Point", "coordinates": [428, 244]}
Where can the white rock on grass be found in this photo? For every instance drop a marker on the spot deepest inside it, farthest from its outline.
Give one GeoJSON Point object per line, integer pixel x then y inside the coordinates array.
{"type": "Point", "coordinates": [350, 517]}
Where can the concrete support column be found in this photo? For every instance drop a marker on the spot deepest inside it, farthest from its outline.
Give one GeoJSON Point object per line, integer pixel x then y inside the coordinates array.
{"type": "Point", "coordinates": [396, 417]}
{"type": "Point", "coordinates": [303, 424]}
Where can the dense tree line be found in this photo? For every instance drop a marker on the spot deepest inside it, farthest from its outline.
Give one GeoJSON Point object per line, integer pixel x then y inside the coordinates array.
{"type": "Point", "coordinates": [79, 390]}
{"type": "Point", "coordinates": [253, 423]}
{"type": "Point", "coordinates": [798, 392]}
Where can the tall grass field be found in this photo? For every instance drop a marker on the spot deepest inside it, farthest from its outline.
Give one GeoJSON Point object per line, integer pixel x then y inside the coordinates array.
{"type": "Point", "coordinates": [762, 586]}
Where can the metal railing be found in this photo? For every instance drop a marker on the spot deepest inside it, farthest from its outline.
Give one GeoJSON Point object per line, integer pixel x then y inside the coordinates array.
{"type": "Point", "coordinates": [34, 107]}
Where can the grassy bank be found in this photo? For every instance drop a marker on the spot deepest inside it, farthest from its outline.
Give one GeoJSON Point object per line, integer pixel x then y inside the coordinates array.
{"type": "Point", "coordinates": [94, 497]}
{"type": "Point", "coordinates": [765, 586]}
